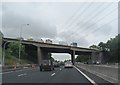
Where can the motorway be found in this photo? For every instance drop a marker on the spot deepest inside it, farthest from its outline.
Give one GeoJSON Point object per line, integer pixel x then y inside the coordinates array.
{"type": "Point", "coordinates": [33, 75]}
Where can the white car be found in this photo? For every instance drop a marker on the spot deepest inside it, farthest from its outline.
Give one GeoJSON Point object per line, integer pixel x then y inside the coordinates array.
{"type": "Point", "coordinates": [68, 65]}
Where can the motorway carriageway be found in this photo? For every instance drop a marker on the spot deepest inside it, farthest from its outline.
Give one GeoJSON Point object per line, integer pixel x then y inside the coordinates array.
{"type": "Point", "coordinates": [59, 75]}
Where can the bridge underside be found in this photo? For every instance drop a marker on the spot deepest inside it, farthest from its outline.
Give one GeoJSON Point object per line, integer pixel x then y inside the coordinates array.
{"type": "Point", "coordinates": [56, 50]}
{"type": "Point", "coordinates": [31, 51]}
{"type": "Point", "coordinates": [44, 51]}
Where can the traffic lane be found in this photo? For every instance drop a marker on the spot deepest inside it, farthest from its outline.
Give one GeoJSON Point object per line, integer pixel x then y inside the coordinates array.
{"type": "Point", "coordinates": [69, 75]}
{"type": "Point", "coordinates": [6, 76]}
{"type": "Point", "coordinates": [60, 75]}
{"type": "Point", "coordinates": [28, 76]}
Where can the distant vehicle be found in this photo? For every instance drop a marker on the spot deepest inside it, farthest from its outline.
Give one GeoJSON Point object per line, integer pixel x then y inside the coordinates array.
{"type": "Point", "coordinates": [41, 40]}
{"type": "Point", "coordinates": [56, 64]}
{"type": "Point", "coordinates": [86, 62]}
{"type": "Point", "coordinates": [68, 65]}
{"type": "Point", "coordinates": [46, 65]}
{"type": "Point", "coordinates": [97, 62]}
{"type": "Point", "coordinates": [48, 41]}
{"type": "Point", "coordinates": [30, 39]}
{"type": "Point", "coordinates": [74, 44]}
{"type": "Point", "coordinates": [62, 43]}
{"type": "Point", "coordinates": [62, 63]}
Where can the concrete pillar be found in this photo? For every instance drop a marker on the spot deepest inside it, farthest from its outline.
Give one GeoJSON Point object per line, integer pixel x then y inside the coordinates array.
{"type": "Point", "coordinates": [100, 59]}
{"type": "Point", "coordinates": [97, 56]}
{"type": "Point", "coordinates": [90, 59]}
{"type": "Point", "coordinates": [39, 52]}
{"type": "Point", "coordinates": [93, 57]}
{"type": "Point", "coordinates": [42, 55]}
{"type": "Point", "coordinates": [73, 57]}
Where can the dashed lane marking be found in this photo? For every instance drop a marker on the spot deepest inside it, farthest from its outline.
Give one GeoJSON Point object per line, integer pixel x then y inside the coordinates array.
{"type": "Point", "coordinates": [53, 74]}
{"type": "Point", "coordinates": [22, 74]}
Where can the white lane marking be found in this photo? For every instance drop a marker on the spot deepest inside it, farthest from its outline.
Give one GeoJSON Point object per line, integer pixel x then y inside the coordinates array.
{"type": "Point", "coordinates": [16, 71]}
{"type": "Point", "coordinates": [7, 72]}
{"type": "Point", "coordinates": [60, 69]}
{"type": "Point", "coordinates": [22, 74]}
{"type": "Point", "coordinates": [11, 71]}
{"type": "Point", "coordinates": [85, 76]}
{"type": "Point", "coordinates": [53, 74]}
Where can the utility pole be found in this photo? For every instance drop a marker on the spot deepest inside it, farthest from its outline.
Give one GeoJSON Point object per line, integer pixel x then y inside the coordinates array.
{"type": "Point", "coordinates": [20, 40]}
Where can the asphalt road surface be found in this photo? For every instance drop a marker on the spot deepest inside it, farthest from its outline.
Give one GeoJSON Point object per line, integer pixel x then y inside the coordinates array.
{"type": "Point", "coordinates": [33, 75]}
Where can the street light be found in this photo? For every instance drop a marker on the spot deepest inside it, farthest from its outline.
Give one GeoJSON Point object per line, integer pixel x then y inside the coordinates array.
{"type": "Point", "coordinates": [21, 40]}
{"type": "Point", "coordinates": [4, 52]}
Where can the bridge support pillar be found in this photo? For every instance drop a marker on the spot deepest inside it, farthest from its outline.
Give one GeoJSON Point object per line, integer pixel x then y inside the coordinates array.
{"type": "Point", "coordinates": [39, 52]}
{"type": "Point", "coordinates": [93, 58]}
{"type": "Point", "coordinates": [96, 56]}
{"type": "Point", "coordinates": [42, 55]}
{"type": "Point", "coordinates": [73, 57]}
{"type": "Point", "coordinates": [100, 57]}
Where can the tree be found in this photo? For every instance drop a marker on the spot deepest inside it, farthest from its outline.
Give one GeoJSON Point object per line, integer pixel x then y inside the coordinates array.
{"type": "Point", "coordinates": [94, 47]}
{"type": "Point", "coordinates": [13, 49]}
{"type": "Point", "coordinates": [111, 47]}
{"type": "Point", "coordinates": [82, 58]}
{"type": "Point", "coordinates": [102, 46]}
{"type": "Point", "coordinates": [50, 57]}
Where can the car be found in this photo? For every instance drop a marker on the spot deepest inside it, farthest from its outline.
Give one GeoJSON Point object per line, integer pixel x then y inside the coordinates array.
{"type": "Point", "coordinates": [97, 62]}
{"type": "Point", "coordinates": [56, 64]}
{"type": "Point", "coordinates": [68, 65]}
{"type": "Point", "coordinates": [46, 65]}
{"type": "Point", "coordinates": [48, 41]}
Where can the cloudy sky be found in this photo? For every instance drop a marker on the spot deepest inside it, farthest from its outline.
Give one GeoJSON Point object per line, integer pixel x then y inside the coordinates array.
{"type": "Point", "coordinates": [86, 23]}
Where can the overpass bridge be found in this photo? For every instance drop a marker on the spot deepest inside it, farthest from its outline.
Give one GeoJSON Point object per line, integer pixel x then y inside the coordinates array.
{"type": "Point", "coordinates": [43, 49]}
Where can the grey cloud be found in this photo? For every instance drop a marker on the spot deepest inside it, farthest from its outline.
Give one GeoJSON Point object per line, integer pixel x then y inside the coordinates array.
{"type": "Point", "coordinates": [78, 32]}
{"type": "Point", "coordinates": [103, 30]}
{"type": "Point", "coordinates": [76, 37]}
{"type": "Point", "coordinates": [12, 23]}
{"type": "Point", "coordinates": [94, 29]}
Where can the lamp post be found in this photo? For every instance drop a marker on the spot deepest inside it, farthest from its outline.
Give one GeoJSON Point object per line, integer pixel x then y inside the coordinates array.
{"type": "Point", "coordinates": [4, 52]}
{"type": "Point", "coordinates": [21, 40]}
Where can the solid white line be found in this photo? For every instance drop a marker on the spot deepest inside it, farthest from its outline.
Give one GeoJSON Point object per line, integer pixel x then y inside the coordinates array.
{"type": "Point", "coordinates": [53, 74]}
{"type": "Point", "coordinates": [85, 76]}
{"type": "Point", "coordinates": [107, 76]}
{"type": "Point", "coordinates": [22, 74]}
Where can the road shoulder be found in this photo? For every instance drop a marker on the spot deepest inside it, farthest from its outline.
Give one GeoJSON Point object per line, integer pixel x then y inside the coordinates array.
{"type": "Point", "coordinates": [97, 79]}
